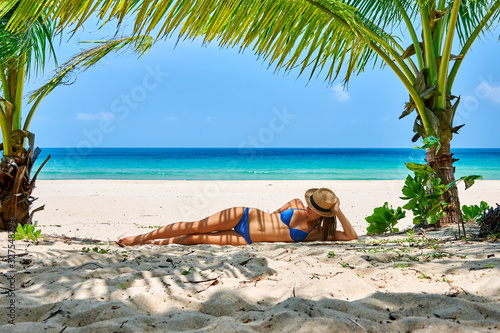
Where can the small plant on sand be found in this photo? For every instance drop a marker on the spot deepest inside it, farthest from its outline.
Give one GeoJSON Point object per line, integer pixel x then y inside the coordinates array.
{"type": "Point", "coordinates": [28, 233]}
{"type": "Point", "coordinates": [186, 272]}
{"type": "Point", "coordinates": [95, 249]}
{"type": "Point", "coordinates": [403, 266]}
{"type": "Point", "coordinates": [494, 237]}
{"type": "Point", "coordinates": [474, 213]}
{"type": "Point", "coordinates": [439, 255]}
{"type": "Point", "coordinates": [424, 276]}
{"type": "Point", "coordinates": [331, 254]}
{"type": "Point", "coordinates": [384, 219]}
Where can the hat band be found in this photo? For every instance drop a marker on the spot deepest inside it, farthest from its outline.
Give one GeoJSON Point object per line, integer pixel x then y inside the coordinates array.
{"type": "Point", "coordinates": [315, 205]}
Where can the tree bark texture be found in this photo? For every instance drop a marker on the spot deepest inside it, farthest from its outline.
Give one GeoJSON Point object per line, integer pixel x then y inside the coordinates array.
{"type": "Point", "coordinates": [16, 188]}
{"type": "Point", "coordinates": [442, 163]}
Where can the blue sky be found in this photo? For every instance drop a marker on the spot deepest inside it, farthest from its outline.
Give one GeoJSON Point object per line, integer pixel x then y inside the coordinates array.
{"type": "Point", "coordinates": [196, 96]}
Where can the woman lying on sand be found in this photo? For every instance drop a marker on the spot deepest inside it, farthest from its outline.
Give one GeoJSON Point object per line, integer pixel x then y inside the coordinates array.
{"type": "Point", "coordinates": [241, 226]}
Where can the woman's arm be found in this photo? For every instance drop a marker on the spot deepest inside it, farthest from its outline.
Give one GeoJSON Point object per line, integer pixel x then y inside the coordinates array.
{"type": "Point", "coordinates": [349, 233]}
{"type": "Point", "coordinates": [295, 203]}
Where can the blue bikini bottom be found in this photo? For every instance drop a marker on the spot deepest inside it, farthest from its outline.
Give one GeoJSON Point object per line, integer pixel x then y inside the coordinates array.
{"type": "Point", "coordinates": [242, 227]}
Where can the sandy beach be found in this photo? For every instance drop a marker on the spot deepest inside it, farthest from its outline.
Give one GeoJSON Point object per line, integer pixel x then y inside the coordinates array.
{"type": "Point", "coordinates": [432, 282]}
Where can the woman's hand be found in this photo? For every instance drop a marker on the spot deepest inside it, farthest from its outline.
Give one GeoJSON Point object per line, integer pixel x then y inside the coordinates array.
{"type": "Point", "coordinates": [349, 233]}
{"type": "Point", "coordinates": [336, 207]}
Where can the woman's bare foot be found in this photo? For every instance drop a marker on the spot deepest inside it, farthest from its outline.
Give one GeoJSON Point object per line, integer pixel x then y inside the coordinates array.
{"type": "Point", "coordinates": [130, 240]}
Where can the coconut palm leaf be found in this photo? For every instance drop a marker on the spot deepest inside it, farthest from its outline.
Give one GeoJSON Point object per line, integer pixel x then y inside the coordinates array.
{"type": "Point", "coordinates": [83, 61]}
{"type": "Point", "coordinates": [320, 34]}
{"type": "Point", "coordinates": [149, 13]}
{"type": "Point", "coordinates": [317, 34]}
{"type": "Point", "coordinates": [34, 42]}
{"type": "Point", "coordinates": [384, 13]}
{"type": "Point", "coordinates": [471, 15]}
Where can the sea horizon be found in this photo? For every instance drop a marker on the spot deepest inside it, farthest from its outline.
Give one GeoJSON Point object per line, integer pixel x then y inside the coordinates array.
{"type": "Point", "coordinates": [253, 163]}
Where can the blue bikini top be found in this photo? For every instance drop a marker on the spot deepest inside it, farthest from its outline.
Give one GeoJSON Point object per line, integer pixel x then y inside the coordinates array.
{"type": "Point", "coordinates": [296, 234]}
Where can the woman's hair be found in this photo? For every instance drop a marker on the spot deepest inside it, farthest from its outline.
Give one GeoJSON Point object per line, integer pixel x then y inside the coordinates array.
{"type": "Point", "coordinates": [327, 226]}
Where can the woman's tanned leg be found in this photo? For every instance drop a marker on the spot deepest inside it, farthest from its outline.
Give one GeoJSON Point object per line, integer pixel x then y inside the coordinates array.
{"type": "Point", "coordinates": [221, 221]}
{"type": "Point", "coordinates": [229, 237]}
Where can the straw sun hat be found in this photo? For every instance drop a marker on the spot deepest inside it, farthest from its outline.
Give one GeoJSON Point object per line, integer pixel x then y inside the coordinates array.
{"type": "Point", "coordinates": [321, 200]}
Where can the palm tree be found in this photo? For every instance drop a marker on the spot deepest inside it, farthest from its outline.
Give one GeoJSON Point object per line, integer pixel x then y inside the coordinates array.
{"type": "Point", "coordinates": [330, 36]}
{"type": "Point", "coordinates": [23, 53]}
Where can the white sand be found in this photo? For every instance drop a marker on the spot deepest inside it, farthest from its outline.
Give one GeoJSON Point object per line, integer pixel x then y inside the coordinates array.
{"type": "Point", "coordinates": [260, 287]}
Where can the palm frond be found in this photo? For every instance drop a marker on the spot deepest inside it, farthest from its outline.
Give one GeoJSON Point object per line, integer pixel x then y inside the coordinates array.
{"type": "Point", "coordinates": [322, 35]}
{"type": "Point", "coordinates": [34, 41]}
{"type": "Point", "coordinates": [86, 59]}
{"type": "Point", "coordinates": [384, 13]}
{"type": "Point", "coordinates": [39, 42]}
{"type": "Point", "coordinates": [470, 16]}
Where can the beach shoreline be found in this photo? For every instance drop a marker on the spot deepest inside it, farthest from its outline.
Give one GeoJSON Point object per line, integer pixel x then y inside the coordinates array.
{"type": "Point", "coordinates": [431, 282]}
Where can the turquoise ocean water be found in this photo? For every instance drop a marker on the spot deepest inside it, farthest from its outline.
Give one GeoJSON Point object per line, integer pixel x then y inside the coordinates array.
{"type": "Point", "coordinates": [252, 164]}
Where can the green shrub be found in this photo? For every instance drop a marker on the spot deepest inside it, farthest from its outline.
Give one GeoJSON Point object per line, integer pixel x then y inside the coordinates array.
{"type": "Point", "coordinates": [474, 213]}
{"type": "Point", "coordinates": [423, 192]}
{"type": "Point", "coordinates": [384, 219]}
{"type": "Point", "coordinates": [27, 233]}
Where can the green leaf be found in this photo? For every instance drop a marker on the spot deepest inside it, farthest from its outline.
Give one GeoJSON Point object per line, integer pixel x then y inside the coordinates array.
{"type": "Point", "coordinates": [29, 228]}
{"type": "Point", "coordinates": [409, 193]}
{"type": "Point", "coordinates": [418, 168]}
{"type": "Point", "coordinates": [469, 180]}
{"type": "Point", "coordinates": [18, 236]}
{"type": "Point", "coordinates": [434, 214]}
{"type": "Point", "coordinates": [429, 142]}
{"type": "Point", "coordinates": [484, 205]}
{"type": "Point", "coordinates": [384, 219]}
{"type": "Point", "coordinates": [20, 230]}
{"type": "Point", "coordinates": [411, 204]}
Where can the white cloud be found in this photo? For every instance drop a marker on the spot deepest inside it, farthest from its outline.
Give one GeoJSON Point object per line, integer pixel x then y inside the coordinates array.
{"type": "Point", "coordinates": [340, 94]}
{"type": "Point", "coordinates": [95, 116]}
{"type": "Point", "coordinates": [485, 91]}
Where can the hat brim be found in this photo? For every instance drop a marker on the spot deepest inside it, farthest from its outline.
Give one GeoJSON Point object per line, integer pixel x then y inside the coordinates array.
{"type": "Point", "coordinates": [308, 200]}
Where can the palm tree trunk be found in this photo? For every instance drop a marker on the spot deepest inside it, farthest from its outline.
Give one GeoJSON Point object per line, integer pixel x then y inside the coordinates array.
{"type": "Point", "coordinates": [16, 188]}
{"type": "Point", "coordinates": [442, 163]}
